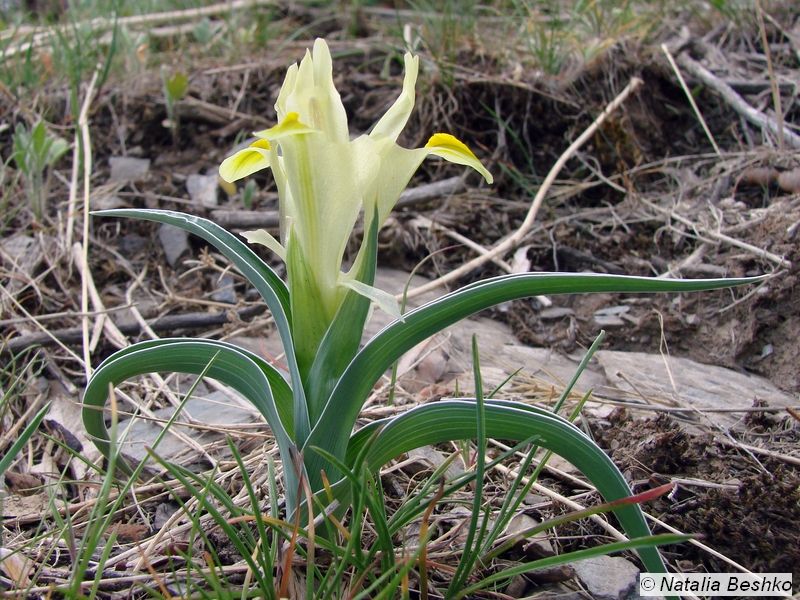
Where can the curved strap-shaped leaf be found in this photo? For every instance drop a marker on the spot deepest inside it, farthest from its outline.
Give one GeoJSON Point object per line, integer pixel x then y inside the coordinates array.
{"type": "Point", "coordinates": [272, 289]}
{"type": "Point", "coordinates": [456, 419]}
{"type": "Point", "coordinates": [346, 400]}
{"type": "Point", "coordinates": [245, 372]}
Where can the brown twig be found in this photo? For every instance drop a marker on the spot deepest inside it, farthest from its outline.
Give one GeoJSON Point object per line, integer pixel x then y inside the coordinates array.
{"type": "Point", "coordinates": [776, 94]}
{"type": "Point", "coordinates": [83, 126]}
{"type": "Point", "coordinates": [73, 335]}
{"type": "Point", "coordinates": [690, 98]}
{"type": "Point", "coordinates": [726, 92]}
{"type": "Point", "coordinates": [240, 219]}
{"type": "Point", "coordinates": [103, 23]}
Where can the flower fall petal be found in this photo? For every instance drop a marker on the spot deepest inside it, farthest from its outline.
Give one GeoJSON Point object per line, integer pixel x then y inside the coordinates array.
{"type": "Point", "coordinates": [454, 150]}
{"type": "Point", "coordinates": [246, 161]}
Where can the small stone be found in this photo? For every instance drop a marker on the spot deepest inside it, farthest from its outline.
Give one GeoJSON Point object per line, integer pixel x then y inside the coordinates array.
{"type": "Point", "coordinates": [175, 242]}
{"type": "Point", "coordinates": [537, 545]}
{"type": "Point", "coordinates": [128, 168]}
{"type": "Point", "coordinates": [107, 202]}
{"type": "Point", "coordinates": [131, 244]}
{"type": "Point", "coordinates": [555, 312]}
{"type": "Point", "coordinates": [203, 189]}
{"type": "Point", "coordinates": [22, 254]}
{"type": "Point", "coordinates": [611, 316]}
{"type": "Point", "coordinates": [164, 512]}
{"type": "Point", "coordinates": [214, 410]}
{"type": "Point", "coordinates": [224, 292]}
{"type": "Point", "coordinates": [427, 456]}
{"type": "Point", "coordinates": [607, 577]}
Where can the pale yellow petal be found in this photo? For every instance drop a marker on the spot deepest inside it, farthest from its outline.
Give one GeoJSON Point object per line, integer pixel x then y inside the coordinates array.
{"type": "Point", "coordinates": [286, 90]}
{"type": "Point", "coordinates": [290, 125]}
{"type": "Point", "coordinates": [386, 301]}
{"type": "Point", "coordinates": [326, 103]}
{"type": "Point", "coordinates": [394, 120]}
{"type": "Point", "coordinates": [246, 162]}
{"type": "Point", "coordinates": [265, 238]}
{"type": "Point", "coordinates": [454, 150]}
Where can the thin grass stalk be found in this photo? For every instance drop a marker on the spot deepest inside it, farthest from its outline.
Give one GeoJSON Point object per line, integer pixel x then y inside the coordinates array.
{"type": "Point", "coordinates": [310, 552]}
{"type": "Point", "coordinates": [8, 458]}
{"type": "Point", "coordinates": [424, 536]}
{"type": "Point", "coordinates": [186, 479]}
{"type": "Point", "coordinates": [376, 504]}
{"type": "Point", "coordinates": [353, 537]}
{"type": "Point", "coordinates": [513, 500]}
{"type": "Point", "coordinates": [416, 506]}
{"type": "Point", "coordinates": [518, 498]}
{"type": "Point", "coordinates": [553, 561]}
{"type": "Point", "coordinates": [576, 515]}
{"type": "Point", "coordinates": [95, 527]}
{"type": "Point", "coordinates": [470, 553]}
{"type": "Point", "coordinates": [263, 538]}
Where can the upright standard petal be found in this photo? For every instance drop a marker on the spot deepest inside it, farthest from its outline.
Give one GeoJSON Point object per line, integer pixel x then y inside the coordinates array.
{"type": "Point", "coordinates": [246, 161]}
{"type": "Point", "coordinates": [327, 102]}
{"type": "Point", "coordinates": [394, 120]}
{"type": "Point", "coordinates": [308, 90]}
{"type": "Point", "coordinates": [454, 150]}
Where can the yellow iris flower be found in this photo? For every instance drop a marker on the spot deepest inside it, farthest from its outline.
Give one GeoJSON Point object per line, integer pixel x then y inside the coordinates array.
{"type": "Point", "coordinates": [326, 180]}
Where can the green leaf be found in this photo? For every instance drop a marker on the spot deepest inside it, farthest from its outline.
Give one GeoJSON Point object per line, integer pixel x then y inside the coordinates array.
{"type": "Point", "coordinates": [450, 420]}
{"type": "Point", "coordinates": [472, 546]}
{"type": "Point", "coordinates": [176, 86]}
{"type": "Point", "coordinates": [347, 398]}
{"type": "Point", "coordinates": [272, 289]}
{"type": "Point", "coordinates": [23, 438]}
{"type": "Point", "coordinates": [248, 374]}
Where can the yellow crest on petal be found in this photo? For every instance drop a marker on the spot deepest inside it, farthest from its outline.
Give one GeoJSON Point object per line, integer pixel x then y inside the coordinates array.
{"type": "Point", "coordinates": [245, 162]}
{"type": "Point", "coordinates": [454, 150]}
{"type": "Point", "coordinates": [291, 125]}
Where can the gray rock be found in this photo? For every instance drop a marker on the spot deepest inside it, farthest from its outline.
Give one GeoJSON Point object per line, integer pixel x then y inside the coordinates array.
{"type": "Point", "coordinates": [224, 292]}
{"type": "Point", "coordinates": [203, 189]}
{"type": "Point", "coordinates": [128, 168]}
{"type": "Point", "coordinates": [681, 382]}
{"type": "Point", "coordinates": [607, 577]}
{"type": "Point", "coordinates": [429, 457]}
{"type": "Point", "coordinates": [214, 410]}
{"type": "Point", "coordinates": [174, 241]}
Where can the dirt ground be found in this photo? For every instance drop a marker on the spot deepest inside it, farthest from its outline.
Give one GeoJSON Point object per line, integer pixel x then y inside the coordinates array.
{"type": "Point", "coordinates": [646, 195]}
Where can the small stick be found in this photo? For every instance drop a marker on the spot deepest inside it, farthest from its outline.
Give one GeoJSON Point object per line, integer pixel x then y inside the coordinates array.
{"type": "Point", "coordinates": [115, 336]}
{"type": "Point", "coordinates": [756, 117]}
{"type": "Point", "coordinates": [73, 191]}
{"type": "Point", "coordinates": [423, 221]}
{"type": "Point", "coordinates": [776, 94]}
{"type": "Point", "coordinates": [512, 240]}
{"type": "Point", "coordinates": [83, 126]}
{"type": "Point", "coordinates": [102, 23]}
{"type": "Point", "coordinates": [73, 335]}
{"type": "Point", "coordinates": [699, 544]}
{"type": "Point", "coordinates": [793, 460]}
{"type": "Point", "coordinates": [568, 502]}
{"type": "Point", "coordinates": [691, 99]}
{"type": "Point", "coordinates": [235, 219]}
